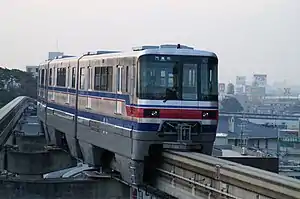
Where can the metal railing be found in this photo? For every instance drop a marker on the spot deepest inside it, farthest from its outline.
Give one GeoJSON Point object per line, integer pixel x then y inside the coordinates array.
{"type": "Point", "coordinates": [194, 175]}
{"type": "Point", "coordinates": [259, 116]}
{"type": "Point", "coordinates": [10, 114]}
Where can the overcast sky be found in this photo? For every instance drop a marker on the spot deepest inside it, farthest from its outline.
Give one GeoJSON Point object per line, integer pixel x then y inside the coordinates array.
{"type": "Point", "coordinates": [249, 36]}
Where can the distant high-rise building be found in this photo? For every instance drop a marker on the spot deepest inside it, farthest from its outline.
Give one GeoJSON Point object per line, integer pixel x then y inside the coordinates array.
{"type": "Point", "coordinates": [230, 89]}
{"type": "Point", "coordinates": [260, 80]}
{"type": "Point", "coordinates": [259, 84]}
{"type": "Point", "coordinates": [240, 80]}
{"type": "Point", "coordinates": [33, 69]}
{"type": "Point", "coordinates": [221, 87]}
{"type": "Point", "coordinates": [52, 55]}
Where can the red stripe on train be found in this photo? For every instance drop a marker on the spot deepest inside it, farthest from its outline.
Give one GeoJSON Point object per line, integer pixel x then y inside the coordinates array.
{"type": "Point", "coordinates": [171, 113]}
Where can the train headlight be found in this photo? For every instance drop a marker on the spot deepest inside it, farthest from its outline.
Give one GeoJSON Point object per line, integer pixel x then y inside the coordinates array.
{"type": "Point", "coordinates": [209, 114]}
{"type": "Point", "coordinates": [205, 114]}
{"type": "Point", "coordinates": [151, 113]}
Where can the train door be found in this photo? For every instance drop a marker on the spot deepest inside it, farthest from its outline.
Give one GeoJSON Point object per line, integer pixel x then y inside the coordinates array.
{"type": "Point", "coordinates": [118, 109]}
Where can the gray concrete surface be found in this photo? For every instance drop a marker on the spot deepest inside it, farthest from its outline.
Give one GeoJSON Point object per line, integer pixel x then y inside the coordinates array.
{"type": "Point", "coordinates": [103, 189]}
{"type": "Point", "coordinates": [37, 163]}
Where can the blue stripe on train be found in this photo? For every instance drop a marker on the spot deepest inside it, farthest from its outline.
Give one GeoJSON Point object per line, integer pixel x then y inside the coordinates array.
{"type": "Point", "coordinates": [111, 120]}
{"type": "Point", "coordinates": [124, 97]}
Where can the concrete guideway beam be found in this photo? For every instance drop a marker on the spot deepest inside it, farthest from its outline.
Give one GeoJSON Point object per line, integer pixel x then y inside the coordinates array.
{"type": "Point", "coordinates": [200, 175]}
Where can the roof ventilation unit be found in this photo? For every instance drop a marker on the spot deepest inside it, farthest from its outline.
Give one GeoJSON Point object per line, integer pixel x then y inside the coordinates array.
{"type": "Point", "coordinates": [99, 52]}
{"type": "Point", "coordinates": [178, 46]}
{"type": "Point", "coordinates": [139, 48]}
{"type": "Point", "coordinates": [63, 56]}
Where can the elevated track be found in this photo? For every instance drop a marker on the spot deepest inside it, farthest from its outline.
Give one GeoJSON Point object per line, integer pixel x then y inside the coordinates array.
{"type": "Point", "coordinates": [194, 175]}
{"type": "Point", "coordinates": [260, 116]}
{"type": "Point", "coordinates": [191, 175]}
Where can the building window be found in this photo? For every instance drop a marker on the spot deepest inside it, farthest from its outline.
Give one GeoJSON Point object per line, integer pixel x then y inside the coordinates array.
{"type": "Point", "coordinates": [103, 78]}
{"type": "Point", "coordinates": [61, 77]}
{"type": "Point", "coordinates": [82, 78]}
{"type": "Point", "coordinates": [73, 77]}
{"type": "Point", "coordinates": [50, 77]}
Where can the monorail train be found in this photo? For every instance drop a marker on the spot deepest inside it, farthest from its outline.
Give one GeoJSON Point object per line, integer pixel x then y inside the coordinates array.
{"type": "Point", "coordinates": [130, 103]}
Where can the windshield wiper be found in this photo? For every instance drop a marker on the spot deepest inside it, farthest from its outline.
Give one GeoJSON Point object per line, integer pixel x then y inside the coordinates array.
{"type": "Point", "coordinates": [170, 94]}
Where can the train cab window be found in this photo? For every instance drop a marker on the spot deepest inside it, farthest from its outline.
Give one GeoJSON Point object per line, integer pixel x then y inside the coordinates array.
{"type": "Point", "coordinates": [189, 82]}
{"type": "Point", "coordinates": [50, 77]}
{"type": "Point", "coordinates": [81, 78]}
{"type": "Point", "coordinates": [209, 77]}
{"type": "Point", "coordinates": [61, 77]}
{"type": "Point", "coordinates": [186, 77]}
{"type": "Point", "coordinates": [103, 78]}
{"type": "Point", "coordinates": [73, 78]}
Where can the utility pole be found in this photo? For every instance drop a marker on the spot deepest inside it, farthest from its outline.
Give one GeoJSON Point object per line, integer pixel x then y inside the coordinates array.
{"type": "Point", "coordinates": [242, 129]}
{"type": "Point", "coordinates": [277, 131]}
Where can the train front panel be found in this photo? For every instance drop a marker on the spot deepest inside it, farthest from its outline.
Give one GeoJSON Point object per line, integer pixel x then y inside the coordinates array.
{"type": "Point", "coordinates": [177, 98]}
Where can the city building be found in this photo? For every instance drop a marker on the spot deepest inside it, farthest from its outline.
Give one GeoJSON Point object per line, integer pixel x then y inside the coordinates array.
{"type": "Point", "coordinates": [240, 84]}
{"type": "Point", "coordinates": [230, 89]}
{"type": "Point", "coordinates": [258, 91]}
{"type": "Point", "coordinates": [52, 55]}
{"type": "Point", "coordinates": [33, 69]}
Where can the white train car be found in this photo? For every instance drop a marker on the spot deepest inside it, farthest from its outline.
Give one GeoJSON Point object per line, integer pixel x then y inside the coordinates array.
{"type": "Point", "coordinates": [133, 103]}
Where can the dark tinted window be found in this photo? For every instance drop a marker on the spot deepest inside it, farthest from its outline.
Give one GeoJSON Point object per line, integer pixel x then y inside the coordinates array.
{"type": "Point", "coordinates": [103, 78]}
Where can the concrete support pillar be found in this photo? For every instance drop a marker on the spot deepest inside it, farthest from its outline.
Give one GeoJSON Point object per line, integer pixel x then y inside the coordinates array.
{"type": "Point", "coordinates": [72, 144]}
{"type": "Point", "coordinates": [91, 154]}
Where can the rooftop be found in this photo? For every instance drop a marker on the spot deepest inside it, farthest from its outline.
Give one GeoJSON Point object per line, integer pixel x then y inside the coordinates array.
{"type": "Point", "coordinates": [250, 129]}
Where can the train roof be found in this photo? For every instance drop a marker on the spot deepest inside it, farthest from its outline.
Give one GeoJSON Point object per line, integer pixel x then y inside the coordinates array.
{"type": "Point", "coordinates": [166, 49]}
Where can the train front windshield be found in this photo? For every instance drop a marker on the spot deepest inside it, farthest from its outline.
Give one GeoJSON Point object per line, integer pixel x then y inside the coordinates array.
{"type": "Point", "coordinates": [188, 78]}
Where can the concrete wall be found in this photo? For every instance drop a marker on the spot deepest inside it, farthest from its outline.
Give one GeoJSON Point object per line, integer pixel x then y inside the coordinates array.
{"type": "Point", "coordinates": [37, 163]}
{"type": "Point", "coordinates": [102, 189]}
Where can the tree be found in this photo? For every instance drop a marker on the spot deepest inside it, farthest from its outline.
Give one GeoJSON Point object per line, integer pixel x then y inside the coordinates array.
{"type": "Point", "coordinates": [231, 104]}
{"type": "Point", "coordinates": [14, 83]}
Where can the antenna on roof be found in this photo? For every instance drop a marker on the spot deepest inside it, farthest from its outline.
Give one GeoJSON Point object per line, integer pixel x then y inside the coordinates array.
{"type": "Point", "coordinates": [57, 48]}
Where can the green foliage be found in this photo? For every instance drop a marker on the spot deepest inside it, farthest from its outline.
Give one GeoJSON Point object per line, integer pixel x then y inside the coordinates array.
{"type": "Point", "coordinates": [231, 104]}
{"type": "Point", "coordinates": [14, 83]}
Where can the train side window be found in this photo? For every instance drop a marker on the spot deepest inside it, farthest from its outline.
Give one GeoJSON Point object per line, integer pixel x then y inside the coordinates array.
{"type": "Point", "coordinates": [97, 79]}
{"type": "Point", "coordinates": [73, 77]}
{"type": "Point", "coordinates": [42, 76]}
{"type": "Point", "coordinates": [61, 77]}
{"type": "Point", "coordinates": [50, 77]}
{"type": "Point", "coordinates": [89, 79]}
{"type": "Point", "coordinates": [103, 78]}
{"type": "Point", "coordinates": [81, 78]}
{"type": "Point", "coordinates": [68, 76]}
{"type": "Point", "coordinates": [110, 78]}
{"type": "Point", "coordinates": [54, 77]}
{"type": "Point", "coordinates": [126, 79]}
{"type": "Point", "coordinates": [119, 79]}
